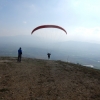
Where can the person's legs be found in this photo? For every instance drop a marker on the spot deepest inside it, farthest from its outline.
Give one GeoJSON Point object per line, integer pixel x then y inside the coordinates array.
{"type": "Point", "coordinates": [48, 57]}
{"type": "Point", "coordinates": [20, 58]}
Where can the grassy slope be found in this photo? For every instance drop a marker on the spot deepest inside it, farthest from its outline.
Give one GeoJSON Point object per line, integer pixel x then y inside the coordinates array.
{"type": "Point", "coordinates": [35, 79]}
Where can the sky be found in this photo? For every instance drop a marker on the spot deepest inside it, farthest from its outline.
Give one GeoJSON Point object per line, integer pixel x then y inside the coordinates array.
{"type": "Point", "coordinates": [80, 18]}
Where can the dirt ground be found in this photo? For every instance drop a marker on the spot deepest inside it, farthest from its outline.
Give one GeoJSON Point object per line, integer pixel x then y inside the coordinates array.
{"type": "Point", "coordinates": [35, 79]}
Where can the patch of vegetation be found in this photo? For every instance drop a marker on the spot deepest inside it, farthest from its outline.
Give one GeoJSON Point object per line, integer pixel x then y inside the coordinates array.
{"type": "Point", "coordinates": [4, 90]}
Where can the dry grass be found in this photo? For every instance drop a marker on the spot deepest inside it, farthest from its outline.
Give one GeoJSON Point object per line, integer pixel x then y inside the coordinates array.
{"type": "Point", "coordinates": [35, 79]}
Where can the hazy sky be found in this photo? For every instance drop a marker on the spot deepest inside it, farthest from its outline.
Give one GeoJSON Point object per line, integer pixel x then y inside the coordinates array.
{"type": "Point", "coordinates": [80, 18]}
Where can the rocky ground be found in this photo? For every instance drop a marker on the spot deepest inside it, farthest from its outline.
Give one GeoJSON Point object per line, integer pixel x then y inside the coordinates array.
{"type": "Point", "coordinates": [36, 79]}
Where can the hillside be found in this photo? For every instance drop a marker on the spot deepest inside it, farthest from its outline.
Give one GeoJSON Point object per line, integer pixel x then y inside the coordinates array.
{"type": "Point", "coordinates": [38, 79]}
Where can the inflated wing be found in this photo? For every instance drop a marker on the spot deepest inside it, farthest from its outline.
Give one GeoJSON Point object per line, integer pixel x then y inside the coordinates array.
{"type": "Point", "coordinates": [48, 26]}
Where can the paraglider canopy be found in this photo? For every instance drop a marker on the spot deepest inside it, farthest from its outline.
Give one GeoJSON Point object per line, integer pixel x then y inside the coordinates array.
{"type": "Point", "coordinates": [48, 26]}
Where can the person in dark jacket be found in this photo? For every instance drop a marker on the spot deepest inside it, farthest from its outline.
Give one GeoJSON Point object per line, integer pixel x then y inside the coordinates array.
{"type": "Point", "coordinates": [19, 54]}
{"type": "Point", "coordinates": [48, 55]}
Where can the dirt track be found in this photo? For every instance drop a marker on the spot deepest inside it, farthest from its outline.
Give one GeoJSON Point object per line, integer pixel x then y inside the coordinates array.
{"type": "Point", "coordinates": [35, 79]}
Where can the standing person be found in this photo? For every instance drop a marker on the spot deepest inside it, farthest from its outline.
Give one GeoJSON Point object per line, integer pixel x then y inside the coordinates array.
{"type": "Point", "coordinates": [19, 54]}
{"type": "Point", "coordinates": [48, 55]}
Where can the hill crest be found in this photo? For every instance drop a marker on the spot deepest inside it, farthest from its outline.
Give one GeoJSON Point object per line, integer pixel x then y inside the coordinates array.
{"type": "Point", "coordinates": [35, 79]}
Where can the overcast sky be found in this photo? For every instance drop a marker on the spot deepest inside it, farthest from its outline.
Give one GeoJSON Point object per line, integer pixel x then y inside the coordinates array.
{"type": "Point", "coordinates": [80, 18]}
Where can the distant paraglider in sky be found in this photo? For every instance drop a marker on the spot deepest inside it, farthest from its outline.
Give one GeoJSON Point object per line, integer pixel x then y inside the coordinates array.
{"type": "Point", "coordinates": [48, 26]}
